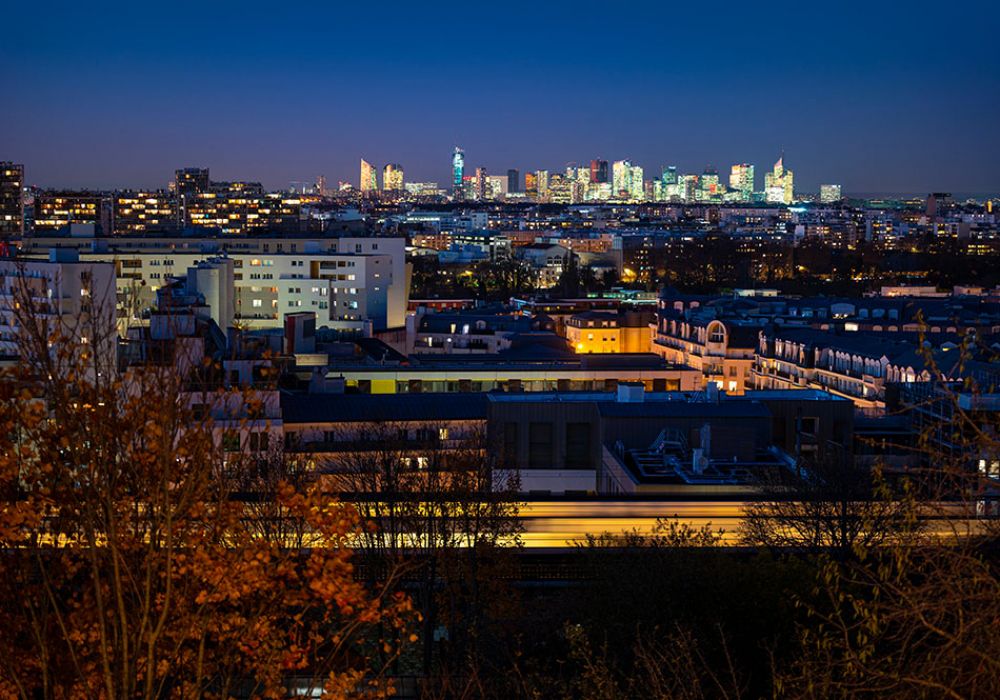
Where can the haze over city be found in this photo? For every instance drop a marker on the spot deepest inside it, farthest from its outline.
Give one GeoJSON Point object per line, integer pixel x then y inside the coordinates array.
{"type": "Point", "coordinates": [875, 96]}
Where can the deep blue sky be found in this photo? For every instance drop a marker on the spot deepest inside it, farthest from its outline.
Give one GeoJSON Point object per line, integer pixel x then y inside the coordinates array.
{"type": "Point", "coordinates": [879, 96]}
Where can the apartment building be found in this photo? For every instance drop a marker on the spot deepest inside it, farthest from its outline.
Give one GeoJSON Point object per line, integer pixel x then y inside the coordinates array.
{"type": "Point", "coordinates": [349, 282]}
{"type": "Point", "coordinates": [71, 296]}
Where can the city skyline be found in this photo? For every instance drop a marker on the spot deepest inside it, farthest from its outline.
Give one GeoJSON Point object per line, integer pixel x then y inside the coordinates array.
{"type": "Point", "coordinates": [697, 88]}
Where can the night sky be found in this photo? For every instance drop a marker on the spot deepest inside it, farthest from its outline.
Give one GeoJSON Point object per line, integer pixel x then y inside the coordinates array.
{"type": "Point", "coordinates": [877, 96]}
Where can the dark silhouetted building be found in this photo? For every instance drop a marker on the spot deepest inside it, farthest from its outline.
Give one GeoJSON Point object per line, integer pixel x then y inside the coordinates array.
{"type": "Point", "coordinates": [513, 180]}
{"type": "Point", "coordinates": [598, 171]}
{"type": "Point", "coordinates": [11, 202]}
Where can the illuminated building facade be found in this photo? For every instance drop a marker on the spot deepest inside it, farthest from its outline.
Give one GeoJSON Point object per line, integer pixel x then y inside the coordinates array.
{"type": "Point", "coordinates": [741, 180]}
{"type": "Point", "coordinates": [480, 184]}
{"type": "Point", "coordinates": [710, 190]}
{"type": "Point", "coordinates": [11, 200]}
{"type": "Point", "coordinates": [609, 332]}
{"type": "Point", "coordinates": [626, 181]}
{"type": "Point", "coordinates": [191, 181]}
{"type": "Point", "coordinates": [240, 209]}
{"type": "Point", "coordinates": [458, 173]}
{"type": "Point", "coordinates": [392, 177]}
{"type": "Point", "coordinates": [598, 171]}
{"type": "Point", "coordinates": [531, 185]}
{"type": "Point", "coordinates": [57, 210]}
{"type": "Point", "coordinates": [142, 212]}
{"type": "Point", "coordinates": [497, 187]}
{"type": "Point", "coordinates": [829, 194]}
{"type": "Point", "coordinates": [779, 184]}
{"type": "Point", "coordinates": [369, 177]}
{"type": "Point", "coordinates": [542, 185]}
{"type": "Point", "coordinates": [619, 177]}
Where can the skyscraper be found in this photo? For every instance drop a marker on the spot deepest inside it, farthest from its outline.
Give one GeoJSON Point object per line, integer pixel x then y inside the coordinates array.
{"type": "Point", "coordinates": [598, 171]}
{"type": "Point", "coordinates": [636, 185]}
{"type": "Point", "coordinates": [481, 184]}
{"type": "Point", "coordinates": [458, 172]}
{"type": "Point", "coordinates": [542, 183]}
{"type": "Point", "coordinates": [620, 171]}
{"type": "Point", "coordinates": [531, 185]}
{"type": "Point", "coordinates": [11, 202]}
{"type": "Point", "coordinates": [626, 181]}
{"type": "Point", "coordinates": [709, 184]}
{"type": "Point", "coordinates": [513, 180]}
{"type": "Point", "coordinates": [829, 194]}
{"type": "Point", "coordinates": [741, 179]}
{"type": "Point", "coordinates": [392, 177]}
{"type": "Point", "coordinates": [369, 177]}
{"type": "Point", "coordinates": [779, 184]}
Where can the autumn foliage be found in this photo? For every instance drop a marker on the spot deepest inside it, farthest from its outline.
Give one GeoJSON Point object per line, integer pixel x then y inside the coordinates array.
{"type": "Point", "coordinates": [136, 561]}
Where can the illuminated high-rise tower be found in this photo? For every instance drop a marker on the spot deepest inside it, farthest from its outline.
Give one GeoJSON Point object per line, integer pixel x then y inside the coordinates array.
{"type": "Point", "coordinates": [829, 194]}
{"type": "Point", "coordinates": [709, 184]}
{"type": "Point", "coordinates": [392, 177]}
{"type": "Point", "coordinates": [741, 179]}
{"type": "Point", "coordinates": [458, 172]}
{"type": "Point", "coordinates": [620, 175]}
{"type": "Point", "coordinates": [531, 185]}
{"type": "Point", "coordinates": [626, 181]}
{"type": "Point", "coordinates": [542, 184]}
{"type": "Point", "coordinates": [636, 185]}
{"type": "Point", "coordinates": [11, 201]}
{"type": "Point", "coordinates": [779, 184]}
{"type": "Point", "coordinates": [598, 170]}
{"type": "Point", "coordinates": [369, 177]}
{"type": "Point", "coordinates": [480, 181]}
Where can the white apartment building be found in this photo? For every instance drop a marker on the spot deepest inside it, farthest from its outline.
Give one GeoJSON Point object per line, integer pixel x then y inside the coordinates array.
{"type": "Point", "coordinates": [347, 282]}
{"type": "Point", "coordinates": [74, 297]}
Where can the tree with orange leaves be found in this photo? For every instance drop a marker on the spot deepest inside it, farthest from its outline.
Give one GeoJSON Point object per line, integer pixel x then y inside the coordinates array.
{"type": "Point", "coordinates": [133, 563]}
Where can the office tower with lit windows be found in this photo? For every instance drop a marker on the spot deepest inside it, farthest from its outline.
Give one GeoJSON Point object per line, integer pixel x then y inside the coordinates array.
{"type": "Point", "coordinates": [458, 173]}
{"type": "Point", "coordinates": [779, 184]}
{"type": "Point", "coordinates": [513, 180]}
{"type": "Point", "coordinates": [626, 180]}
{"type": "Point", "coordinates": [620, 174]}
{"type": "Point", "coordinates": [687, 188]}
{"type": "Point", "coordinates": [392, 177]}
{"type": "Point", "coordinates": [11, 200]}
{"type": "Point", "coordinates": [741, 180]}
{"type": "Point", "coordinates": [531, 185]}
{"type": "Point", "coordinates": [497, 187]}
{"type": "Point", "coordinates": [55, 211]}
{"type": "Point", "coordinates": [637, 186]}
{"type": "Point", "coordinates": [829, 194]}
{"type": "Point", "coordinates": [369, 177]}
{"type": "Point", "coordinates": [480, 184]}
{"type": "Point", "coordinates": [665, 187]}
{"type": "Point", "coordinates": [542, 184]}
{"type": "Point", "coordinates": [598, 171]}
{"type": "Point", "coordinates": [710, 190]}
